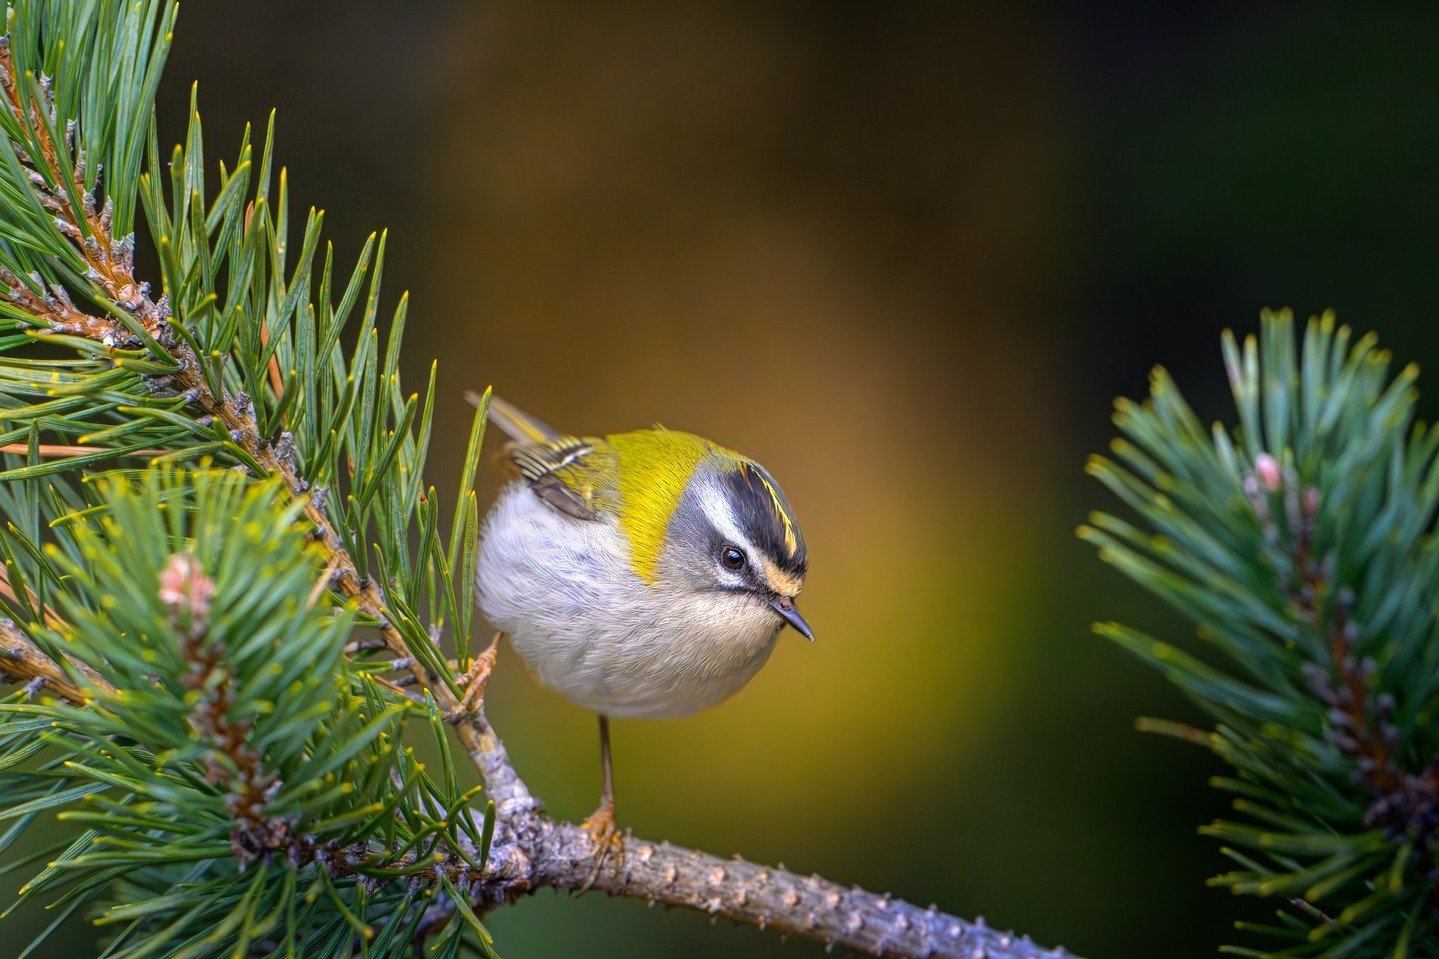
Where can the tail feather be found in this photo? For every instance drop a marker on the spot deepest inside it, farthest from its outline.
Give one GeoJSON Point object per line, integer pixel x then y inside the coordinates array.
{"type": "Point", "coordinates": [514, 422]}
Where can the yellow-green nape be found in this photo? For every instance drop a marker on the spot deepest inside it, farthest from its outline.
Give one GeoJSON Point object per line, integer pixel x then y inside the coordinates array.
{"type": "Point", "coordinates": [654, 467]}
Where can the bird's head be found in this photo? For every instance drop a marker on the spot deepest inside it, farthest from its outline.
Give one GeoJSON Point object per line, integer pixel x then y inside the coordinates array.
{"type": "Point", "coordinates": [733, 532]}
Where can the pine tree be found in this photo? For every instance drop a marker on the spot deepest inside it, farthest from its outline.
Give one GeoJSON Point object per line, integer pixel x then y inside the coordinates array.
{"type": "Point", "coordinates": [232, 603]}
{"type": "Point", "coordinates": [1302, 547]}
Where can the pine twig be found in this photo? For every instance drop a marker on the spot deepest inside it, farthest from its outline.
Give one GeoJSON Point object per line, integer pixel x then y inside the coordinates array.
{"type": "Point", "coordinates": [531, 851]}
{"type": "Point", "coordinates": [22, 659]}
{"type": "Point", "coordinates": [1318, 600]}
{"type": "Point", "coordinates": [534, 852]}
{"type": "Point", "coordinates": [1406, 803]}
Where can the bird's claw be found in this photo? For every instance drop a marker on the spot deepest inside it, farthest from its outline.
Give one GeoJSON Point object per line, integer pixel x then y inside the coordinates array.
{"type": "Point", "coordinates": [601, 826]}
{"type": "Point", "coordinates": [606, 838]}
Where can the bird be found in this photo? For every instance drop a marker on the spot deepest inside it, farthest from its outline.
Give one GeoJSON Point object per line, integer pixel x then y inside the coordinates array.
{"type": "Point", "coordinates": [646, 573]}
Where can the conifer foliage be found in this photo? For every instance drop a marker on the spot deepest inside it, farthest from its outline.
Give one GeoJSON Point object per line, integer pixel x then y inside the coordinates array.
{"type": "Point", "coordinates": [223, 796]}
{"type": "Point", "coordinates": [1301, 545]}
{"type": "Point", "coordinates": [218, 550]}
{"type": "Point", "coordinates": [231, 605]}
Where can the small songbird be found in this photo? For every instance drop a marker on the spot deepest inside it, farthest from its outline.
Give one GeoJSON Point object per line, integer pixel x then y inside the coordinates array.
{"type": "Point", "coordinates": [645, 573]}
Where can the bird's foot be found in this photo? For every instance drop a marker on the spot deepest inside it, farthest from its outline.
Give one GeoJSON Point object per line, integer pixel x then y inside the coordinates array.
{"type": "Point", "coordinates": [606, 838]}
{"type": "Point", "coordinates": [600, 824]}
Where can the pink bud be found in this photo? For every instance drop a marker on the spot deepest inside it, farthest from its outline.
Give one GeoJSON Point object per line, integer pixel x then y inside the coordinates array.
{"type": "Point", "coordinates": [1266, 468]}
{"type": "Point", "coordinates": [183, 585]}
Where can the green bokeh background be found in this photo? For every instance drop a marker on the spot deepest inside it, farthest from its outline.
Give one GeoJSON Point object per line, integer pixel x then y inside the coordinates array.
{"type": "Point", "coordinates": [906, 255]}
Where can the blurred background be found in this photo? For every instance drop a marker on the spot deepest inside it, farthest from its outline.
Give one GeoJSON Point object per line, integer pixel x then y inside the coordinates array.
{"type": "Point", "coordinates": [905, 254]}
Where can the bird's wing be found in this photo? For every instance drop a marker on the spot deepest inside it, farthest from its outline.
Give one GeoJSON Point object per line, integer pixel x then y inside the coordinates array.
{"type": "Point", "coordinates": [513, 421]}
{"type": "Point", "coordinates": [571, 474]}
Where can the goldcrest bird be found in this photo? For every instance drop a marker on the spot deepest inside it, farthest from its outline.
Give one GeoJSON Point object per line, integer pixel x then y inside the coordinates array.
{"type": "Point", "coordinates": [645, 573]}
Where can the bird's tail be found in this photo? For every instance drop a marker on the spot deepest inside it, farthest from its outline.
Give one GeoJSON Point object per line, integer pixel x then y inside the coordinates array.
{"type": "Point", "coordinates": [513, 421]}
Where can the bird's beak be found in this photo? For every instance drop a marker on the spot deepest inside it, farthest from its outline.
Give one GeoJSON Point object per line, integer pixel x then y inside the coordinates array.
{"type": "Point", "coordinates": [785, 607]}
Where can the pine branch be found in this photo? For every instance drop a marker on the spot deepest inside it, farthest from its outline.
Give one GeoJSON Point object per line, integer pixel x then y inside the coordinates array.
{"type": "Point", "coordinates": [532, 851]}
{"type": "Point", "coordinates": [561, 855]}
{"type": "Point", "coordinates": [208, 767]}
{"type": "Point", "coordinates": [21, 659]}
{"type": "Point", "coordinates": [1302, 544]}
{"type": "Point", "coordinates": [111, 263]}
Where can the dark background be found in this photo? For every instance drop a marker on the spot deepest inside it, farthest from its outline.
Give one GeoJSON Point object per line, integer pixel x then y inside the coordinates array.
{"type": "Point", "coordinates": [906, 255]}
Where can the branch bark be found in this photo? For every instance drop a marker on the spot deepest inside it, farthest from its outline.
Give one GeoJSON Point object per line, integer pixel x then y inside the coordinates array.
{"type": "Point", "coordinates": [532, 851]}
{"type": "Point", "coordinates": [22, 658]}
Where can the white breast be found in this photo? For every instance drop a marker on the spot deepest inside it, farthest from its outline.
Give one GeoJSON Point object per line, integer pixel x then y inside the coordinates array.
{"type": "Point", "coordinates": [564, 591]}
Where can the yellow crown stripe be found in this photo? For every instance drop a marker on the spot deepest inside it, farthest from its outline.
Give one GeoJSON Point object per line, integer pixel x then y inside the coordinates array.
{"type": "Point", "coordinates": [791, 543]}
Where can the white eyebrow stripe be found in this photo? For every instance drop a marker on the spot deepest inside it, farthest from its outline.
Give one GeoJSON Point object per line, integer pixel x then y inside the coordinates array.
{"type": "Point", "coordinates": [720, 513]}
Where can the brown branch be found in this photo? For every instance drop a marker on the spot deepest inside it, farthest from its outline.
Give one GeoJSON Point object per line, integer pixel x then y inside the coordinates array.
{"type": "Point", "coordinates": [21, 659]}
{"type": "Point", "coordinates": [1358, 722]}
{"type": "Point", "coordinates": [536, 852]}
{"type": "Point", "coordinates": [531, 851]}
{"type": "Point", "coordinates": [63, 449]}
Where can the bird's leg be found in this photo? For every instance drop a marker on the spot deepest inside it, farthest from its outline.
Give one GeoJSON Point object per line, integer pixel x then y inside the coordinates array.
{"type": "Point", "coordinates": [601, 823]}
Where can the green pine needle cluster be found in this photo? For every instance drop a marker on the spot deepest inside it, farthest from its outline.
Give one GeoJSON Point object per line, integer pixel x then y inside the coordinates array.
{"type": "Point", "coordinates": [1301, 545]}
{"type": "Point", "coordinates": [223, 796]}
{"type": "Point", "coordinates": [218, 537]}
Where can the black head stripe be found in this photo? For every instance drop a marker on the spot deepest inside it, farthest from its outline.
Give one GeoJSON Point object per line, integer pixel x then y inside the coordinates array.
{"type": "Point", "coordinates": [765, 516]}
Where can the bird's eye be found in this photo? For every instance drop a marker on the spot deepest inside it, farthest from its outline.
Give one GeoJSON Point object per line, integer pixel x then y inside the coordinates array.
{"type": "Point", "coordinates": [732, 558]}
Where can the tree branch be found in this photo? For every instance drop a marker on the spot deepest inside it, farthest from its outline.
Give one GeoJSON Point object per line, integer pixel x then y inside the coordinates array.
{"type": "Point", "coordinates": [24, 659]}
{"type": "Point", "coordinates": [21, 659]}
{"type": "Point", "coordinates": [532, 851]}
